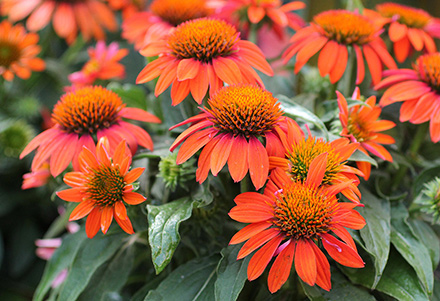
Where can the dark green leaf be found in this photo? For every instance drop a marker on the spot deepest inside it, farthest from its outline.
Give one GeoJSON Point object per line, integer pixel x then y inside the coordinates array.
{"type": "Point", "coordinates": [426, 235]}
{"type": "Point", "coordinates": [400, 281]}
{"type": "Point", "coordinates": [360, 156]}
{"type": "Point", "coordinates": [92, 255]}
{"type": "Point", "coordinates": [192, 281]}
{"type": "Point", "coordinates": [61, 259]}
{"type": "Point", "coordinates": [414, 252]}
{"type": "Point", "coordinates": [231, 274]}
{"type": "Point", "coordinates": [110, 277]}
{"type": "Point", "coordinates": [376, 233]}
{"type": "Point", "coordinates": [424, 177]}
{"type": "Point", "coordinates": [294, 111]}
{"type": "Point", "coordinates": [163, 230]}
{"type": "Point", "coordinates": [203, 194]}
{"type": "Point", "coordinates": [132, 95]}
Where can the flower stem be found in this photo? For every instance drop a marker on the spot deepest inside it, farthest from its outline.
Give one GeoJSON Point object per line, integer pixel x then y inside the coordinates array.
{"type": "Point", "coordinates": [244, 184]}
{"type": "Point", "coordinates": [348, 76]}
{"type": "Point", "coordinates": [413, 150]}
{"type": "Point", "coordinates": [252, 36]}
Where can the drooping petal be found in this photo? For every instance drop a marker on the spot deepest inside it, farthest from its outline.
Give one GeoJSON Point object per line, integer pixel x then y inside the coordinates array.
{"type": "Point", "coordinates": [341, 252]}
{"type": "Point", "coordinates": [106, 218]}
{"type": "Point", "coordinates": [249, 231]}
{"type": "Point", "coordinates": [93, 222]}
{"type": "Point", "coordinates": [81, 210]}
{"type": "Point", "coordinates": [220, 153]}
{"type": "Point", "coordinates": [257, 241]}
{"type": "Point", "coordinates": [317, 169]}
{"type": "Point", "coordinates": [262, 257]}
{"type": "Point", "coordinates": [258, 162]}
{"type": "Point", "coordinates": [305, 261]}
{"type": "Point", "coordinates": [280, 270]}
{"type": "Point", "coordinates": [323, 277]}
{"type": "Point", "coordinates": [238, 159]}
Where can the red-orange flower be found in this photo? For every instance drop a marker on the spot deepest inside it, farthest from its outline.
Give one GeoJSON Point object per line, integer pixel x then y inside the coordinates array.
{"type": "Point", "coordinates": [289, 220]}
{"type": "Point", "coordinates": [80, 117]}
{"type": "Point", "coordinates": [418, 88]}
{"type": "Point", "coordinates": [331, 33]}
{"type": "Point", "coordinates": [410, 28]}
{"type": "Point", "coordinates": [18, 51]}
{"type": "Point", "coordinates": [163, 16]}
{"type": "Point", "coordinates": [102, 186]}
{"type": "Point", "coordinates": [299, 153]}
{"type": "Point", "coordinates": [229, 130]}
{"type": "Point", "coordinates": [103, 64]}
{"type": "Point", "coordinates": [199, 54]}
{"type": "Point", "coordinates": [360, 124]}
{"type": "Point", "coordinates": [68, 17]}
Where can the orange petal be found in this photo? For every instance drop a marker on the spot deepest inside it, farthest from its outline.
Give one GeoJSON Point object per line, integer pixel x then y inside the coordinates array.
{"type": "Point", "coordinates": [227, 70]}
{"type": "Point", "coordinates": [360, 73]}
{"type": "Point", "coordinates": [199, 84]}
{"type": "Point", "coordinates": [187, 69]}
{"type": "Point", "coordinates": [257, 241]}
{"type": "Point", "coordinates": [194, 143]}
{"type": "Point", "coordinates": [262, 257]}
{"type": "Point", "coordinates": [81, 210]}
{"type": "Point", "coordinates": [133, 175]}
{"type": "Point", "coordinates": [373, 63]}
{"type": "Point", "coordinates": [341, 252]}
{"type": "Point", "coordinates": [138, 114]}
{"type": "Point", "coordinates": [106, 218]}
{"type": "Point", "coordinates": [397, 31]}
{"type": "Point", "coordinates": [133, 198]}
{"type": "Point", "coordinates": [305, 261]}
{"type": "Point", "coordinates": [204, 162]}
{"type": "Point", "coordinates": [328, 57]}
{"type": "Point", "coordinates": [377, 150]}
{"type": "Point", "coordinates": [248, 232]}
{"type": "Point", "coordinates": [220, 153]}
{"type": "Point", "coordinates": [280, 270]}
{"type": "Point", "coordinates": [166, 78]}
{"type": "Point", "coordinates": [72, 194]}
{"type": "Point", "coordinates": [125, 224]}
{"type": "Point", "coordinates": [323, 277]}
{"type": "Point", "coordinates": [251, 213]}
{"type": "Point", "coordinates": [340, 64]}
{"type": "Point", "coordinates": [401, 49]}
{"type": "Point", "coordinates": [93, 222]}
{"type": "Point", "coordinates": [258, 162]}
{"type": "Point", "coordinates": [255, 13]}
{"type": "Point", "coordinates": [74, 179]}
{"type": "Point", "coordinates": [308, 51]}
{"type": "Point", "coordinates": [317, 169]}
{"type": "Point", "coordinates": [238, 159]}
{"type": "Point", "coordinates": [415, 38]}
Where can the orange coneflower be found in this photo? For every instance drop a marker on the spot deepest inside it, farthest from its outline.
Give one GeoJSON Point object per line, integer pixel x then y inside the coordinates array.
{"type": "Point", "coordinates": [300, 152]}
{"type": "Point", "coordinates": [18, 51]}
{"type": "Point", "coordinates": [163, 16]}
{"type": "Point", "coordinates": [201, 53]}
{"type": "Point", "coordinates": [103, 64]}
{"type": "Point", "coordinates": [102, 186]}
{"type": "Point", "coordinates": [272, 16]}
{"type": "Point", "coordinates": [410, 28]}
{"type": "Point", "coordinates": [418, 88]}
{"type": "Point", "coordinates": [333, 32]}
{"type": "Point", "coordinates": [230, 129]}
{"type": "Point", "coordinates": [68, 16]}
{"type": "Point", "coordinates": [81, 117]}
{"type": "Point", "coordinates": [360, 124]}
{"type": "Point", "coordinates": [289, 220]}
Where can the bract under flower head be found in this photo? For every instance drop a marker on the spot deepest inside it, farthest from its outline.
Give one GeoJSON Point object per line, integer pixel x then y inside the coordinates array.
{"type": "Point", "coordinates": [331, 33]}
{"type": "Point", "coordinates": [199, 54]}
{"type": "Point", "coordinates": [230, 131]}
{"type": "Point", "coordinates": [418, 88]}
{"type": "Point", "coordinates": [68, 17]}
{"type": "Point", "coordinates": [80, 117]}
{"type": "Point", "coordinates": [18, 51]}
{"type": "Point", "coordinates": [360, 124]}
{"type": "Point", "coordinates": [288, 220]}
{"type": "Point", "coordinates": [101, 188]}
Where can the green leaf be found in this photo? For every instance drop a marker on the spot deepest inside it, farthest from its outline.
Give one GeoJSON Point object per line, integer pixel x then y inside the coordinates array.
{"type": "Point", "coordinates": [92, 255]}
{"type": "Point", "coordinates": [61, 259]}
{"type": "Point", "coordinates": [163, 230]}
{"type": "Point", "coordinates": [132, 95]}
{"type": "Point", "coordinates": [400, 281]}
{"type": "Point", "coordinates": [426, 235]}
{"type": "Point", "coordinates": [294, 110]}
{"type": "Point", "coordinates": [231, 274]}
{"type": "Point", "coordinates": [360, 156]}
{"type": "Point", "coordinates": [376, 233]}
{"type": "Point", "coordinates": [192, 281]}
{"type": "Point", "coordinates": [110, 277]}
{"type": "Point", "coordinates": [414, 252]}
{"type": "Point", "coordinates": [203, 194]}
{"type": "Point", "coordinates": [341, 290]}
{"type": "Point", "coordinates": [355, 5]}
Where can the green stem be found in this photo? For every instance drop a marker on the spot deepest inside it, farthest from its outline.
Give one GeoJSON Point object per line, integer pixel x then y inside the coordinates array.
{"type": "Point", "coordinates": [413, 150]}
{"type": "Point", "coordinates": [244, 184]}
{"type": "Point", "coordinates": [252, 37]}
{"type": "Point", "coordinates": [348, 76]}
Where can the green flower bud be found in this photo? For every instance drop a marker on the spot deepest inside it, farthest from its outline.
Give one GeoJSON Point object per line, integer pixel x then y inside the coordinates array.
{"type": "Point", "coordinates": [176, 175]}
